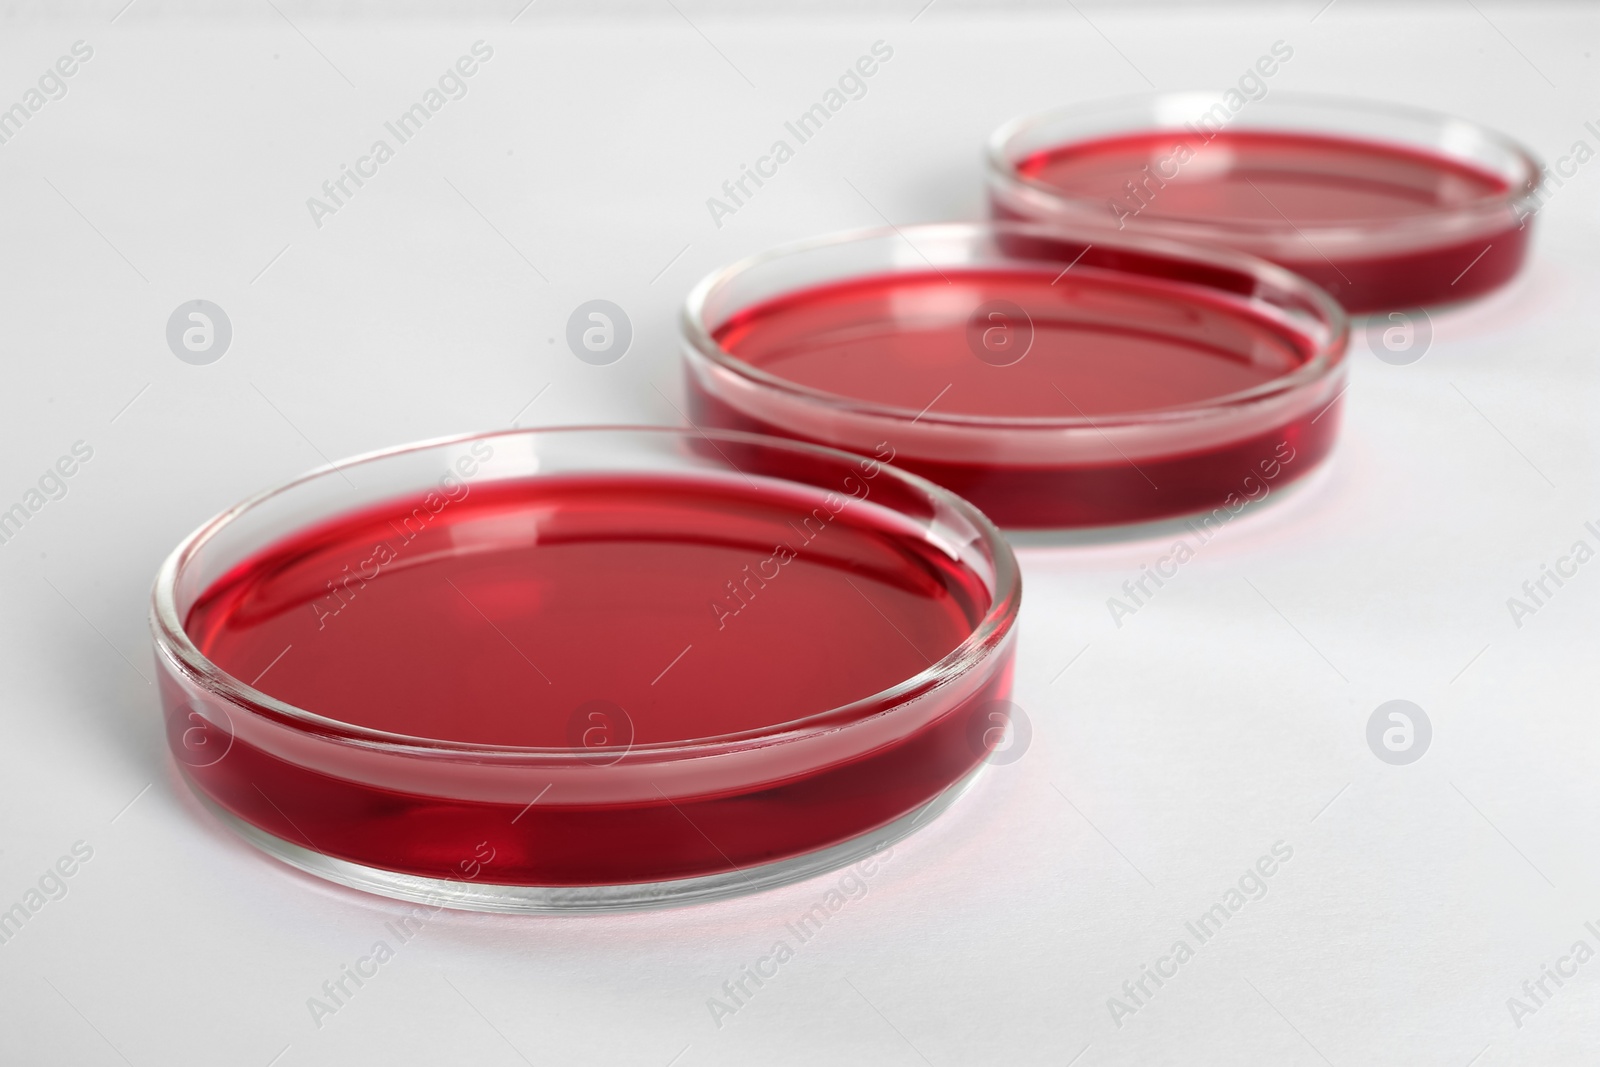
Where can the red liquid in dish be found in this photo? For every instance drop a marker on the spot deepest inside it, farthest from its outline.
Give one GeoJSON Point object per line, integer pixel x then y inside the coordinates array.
{"type": "Point", "coordinates": [500, 619]}
{"type": "Point", "coordinates": [1249, 178]}
{"type": "Point", "coordinates": [1102, 346]}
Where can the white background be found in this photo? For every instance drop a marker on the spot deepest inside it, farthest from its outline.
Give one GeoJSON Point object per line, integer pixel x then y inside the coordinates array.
{"type": "Point", "coordinates": [1175, 750]}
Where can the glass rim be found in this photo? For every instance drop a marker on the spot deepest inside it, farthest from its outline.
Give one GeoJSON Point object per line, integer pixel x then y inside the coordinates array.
{"type": "Point", "coordinates": [987, 635]}
{"type": "Point", "coordinates": [1523, 189]}
{"type": "Point", "coordinates": [1325, 360]}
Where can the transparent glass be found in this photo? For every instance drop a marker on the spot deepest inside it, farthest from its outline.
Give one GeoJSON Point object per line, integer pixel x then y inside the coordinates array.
{"type": "Point", "coordinates": [1042, 471]}
{"type": "Point", "coordinates": [647, 824]}
{"type": "Point", "coordinates": [1429, 256]}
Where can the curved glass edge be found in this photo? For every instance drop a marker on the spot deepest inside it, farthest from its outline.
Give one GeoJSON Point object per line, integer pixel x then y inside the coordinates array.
{"type": "Point", "coordinates": [564, 900]}
{"type": "Point", "coordinates": [1290, 288]}
{"type": "Point", "coordinates": [176, 648]}
{"type": "Point", "coordinates": [1021, 136]}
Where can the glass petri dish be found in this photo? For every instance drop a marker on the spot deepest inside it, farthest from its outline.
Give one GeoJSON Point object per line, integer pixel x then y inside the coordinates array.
{"type": "Point", "coordinates": [1053, 379]}
{"type": "Point", "coordinates": [585, 668]}
{"type": "Point", "coordinates": [1385, 207]}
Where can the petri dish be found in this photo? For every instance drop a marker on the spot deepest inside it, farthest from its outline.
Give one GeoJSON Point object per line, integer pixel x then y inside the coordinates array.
{"type": "Point", "coordinates": [1385, 207]}
{"type": "Point", "coordinates": [1053, 379]}
{"type": "Point", "coordinates": [585, 668]}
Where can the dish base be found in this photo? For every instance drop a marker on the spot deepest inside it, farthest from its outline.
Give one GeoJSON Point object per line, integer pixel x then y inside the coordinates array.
{"type": "Point", "coordinates": [463, 895]}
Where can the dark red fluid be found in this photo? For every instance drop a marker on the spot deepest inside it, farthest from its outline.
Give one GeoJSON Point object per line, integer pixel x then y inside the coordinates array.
{"type": "Point", "coordinates": [1250, 177]}
{"type": "Point", "coordinates": [1097, 345]}
{"type": "Point", "coordinates": [510, 614]}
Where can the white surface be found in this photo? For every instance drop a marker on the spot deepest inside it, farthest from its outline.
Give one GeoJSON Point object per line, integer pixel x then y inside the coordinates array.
{"type": "Point", "coordinates": [1188, 741]}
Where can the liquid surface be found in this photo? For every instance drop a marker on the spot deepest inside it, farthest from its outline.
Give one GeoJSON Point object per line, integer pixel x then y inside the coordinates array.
{"type": "Point", "coordinates": [499, 616]}
{"type": "Point", "coordinates": [1092, 343]}
{"type": "Point", "coordinates": [1261, 176]}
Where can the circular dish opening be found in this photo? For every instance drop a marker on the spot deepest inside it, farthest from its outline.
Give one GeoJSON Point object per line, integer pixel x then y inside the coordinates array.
{"type": "Point", "coordinates": [1054, 379]}
{"type": "Point", "coordinates": [1383, 206]}
{"type": "Point", "coordinates": [586, 667]}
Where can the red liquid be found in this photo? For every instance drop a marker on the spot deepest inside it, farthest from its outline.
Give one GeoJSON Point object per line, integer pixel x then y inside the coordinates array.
{"type": "Point", "coordinates": [1102, 345]}
{"type": "Point", "coordinates": [500, 617]}
{"type": "Point", "coordinates": [1257, 177]}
